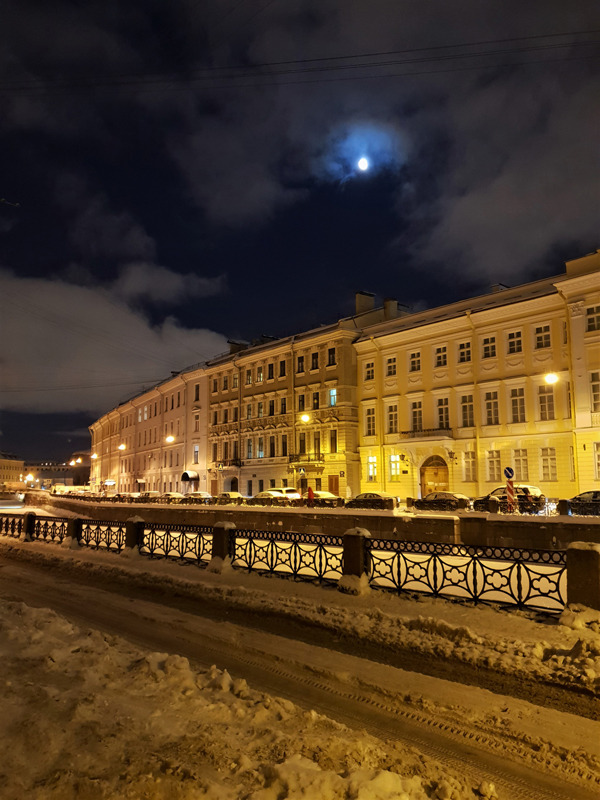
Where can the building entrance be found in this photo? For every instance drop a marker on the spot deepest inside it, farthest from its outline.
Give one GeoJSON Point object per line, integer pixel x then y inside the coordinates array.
{"type": "Point", "coordinates": [434, 475]}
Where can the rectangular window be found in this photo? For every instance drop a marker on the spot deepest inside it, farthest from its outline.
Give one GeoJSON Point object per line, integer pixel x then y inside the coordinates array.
{"type": "Point", "coordinates": [491, 408]}
{"type": "Point", "coordinates": [259, 374]}
{"type": "Point", "coordinates": [390, 369]}
{"type": "Point", "coordinates": [369, 370]}
{"type": "Point", "coordinates": [225, 415]}
{"type": "Point", "coordinates": [493, 460]}
{"type": "Point", "coordinates": [548, 456]}
{"type": "Point", "coordinates": [302, 444]}
{"type": "Point", "coordinates": [248, 448]}
{"type": "Point", "coordinates": [259, 409]}
{"type": "Point", "coordinates": [196, 393]}
{"type": "Point", "coordinates": [283, 406]}
{"type": "Point", "coordinates": [443, 413]}
{"type": "Point", "coordinates": [315, 400]}
{"type": "Point", "coordinates": [178, 399]}
{"type": "Point", "coordinates": [370, 422]}
{"type": "Point", "coordinates": [517, 404]}
{"type": "Point", "coordinates": [333, 397]}
{"type": "Point", "coordinates": [270, 372]}
{"type": "Point", "coordinates": [468, 415]}
{"type": "Point", "coordinates": [214, 452]}
{"type": "Point", "coordinates": [145, 412]}
{"type": "Point", "coordinates": [515, 342]}
{"type": "Point", "coordinates": [249, 411]}
{"type": "Point", "coordinates": [261, 447]}
{"type": "Point", "coordinates": [417, 415]}
{"type": "Point", "coordinates": [592, 316]}
{"type": "Point", "coordinates": [215, 417]}
{"type": "Point", "coordinates": [215, 386]}
{"type": "Point", "coordinates": [394, 468]}
{"type": "Point", "coordinates": [489, 347]}
{"type": "Point", "coordinates": [235, 381]}
{"type": "Point", "coordinates": [333, 441]}
{"type": "Point", "coordinates": [464, 352]}
{"type": "Point", "coordinates": [469, 466]}
{"type": "Point", "coordinates": [282, 369]}
{"type": "Point", "coordinates": [249, 488]}
{"type": "Point", "coordinates": [415, 362]}
{"type": "Point", "coordinates": [196, 422]}
{"type": "Point", "coordinates": [331, 357]}
{"type": "Point", "coordinates": [392, 419]}
{"type": "Point", "coordinates": [271, 447]}
{"type": "Point", "coordinates": [225, 383]}
{"type": "Point", "coordinates": [317, 444]}
{"type": "Point", "coordinates": [546, 396]}
{"type": "Point", "coordinates": [284, 451]}
{"type": "Point", "coordinates": [225, 451]}
{"type": "Point", "coordinates": [314, 361]}
{"type": "Point", "coordinates": [372, 468]}
{"type": "Point", "coordinates": [139, 414]}
{"type": "Point", "coordinates": [595, 388]}
{"type": "Point", "coordinates": [271, 483]}
{"type": "Point", "coordinates": [542, 337]}
{"type": "Point", "coordinates": [235, 414]}
{"type": "Point", "coordinates": [301, 402]}
{"type": "Point", "coordinates": [521, 465]}
{"type": "Point", "coordinates": [271, 408]}
{"type": "Point", "coordinates": [441, 356]}
{"type": "Point", "coordinates": [235, 449]}
{"type": "Point", "coordinates": [569, 410]}
{"type": "Point", "coordinates": [248, 377]}
{"type": "Point", "coordinates": [597, 459]}
{"type": "Point", "coordinates": [300, 364]}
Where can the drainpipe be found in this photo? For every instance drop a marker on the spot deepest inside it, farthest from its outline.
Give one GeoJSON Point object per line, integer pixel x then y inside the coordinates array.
{"type": "Point", "coordinates": [476, 403]}
{"type": "Point", "coordinates": [572, 385]}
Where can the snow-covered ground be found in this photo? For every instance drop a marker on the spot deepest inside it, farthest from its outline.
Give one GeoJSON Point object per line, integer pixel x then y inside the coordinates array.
{"type": "Point", "coordinates": [152, 728]}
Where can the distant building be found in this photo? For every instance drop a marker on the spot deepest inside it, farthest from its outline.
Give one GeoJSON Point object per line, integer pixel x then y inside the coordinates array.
{"type": "Point", "coordinates": [73, 472]}
{"type": "Point", "coordinates": [386, 399]}
{"type": "Point", "coordinates": [11, 472]}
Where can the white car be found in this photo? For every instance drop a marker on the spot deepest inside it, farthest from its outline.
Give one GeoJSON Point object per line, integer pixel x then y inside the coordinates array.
{"type": "Point", "coordinates": [287, 491]}
{"type": "Point", "coordinates": [200, 495]}
{"type": "Point", "coordinates": [325, 496]}
{"type": "Point", "coordinates": [225, 496]}
{"type": "Point", "coordinates": [269, 493]}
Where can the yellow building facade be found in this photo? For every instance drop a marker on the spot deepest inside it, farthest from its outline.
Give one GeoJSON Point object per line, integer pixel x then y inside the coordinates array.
{"type": "Point", "coordinates": [451, 396]}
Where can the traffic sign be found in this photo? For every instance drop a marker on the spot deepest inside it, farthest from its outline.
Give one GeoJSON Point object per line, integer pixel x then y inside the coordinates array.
{"type": "Point", "coordinates": [301, 471]}
{"type": "Point", "coordinates": [509, 473]}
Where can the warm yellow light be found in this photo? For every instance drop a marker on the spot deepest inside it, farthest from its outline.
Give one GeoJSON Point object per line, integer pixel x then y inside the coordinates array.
{"type": "Point", "coordinates": [552, 377]}
{"type": "Point", "coordinates": [29, 477]}
{"type": "Point", "coordinates": [170, 439]}
{"type": "Point", "coordinates": [78, 461]}
{"type": "Point", "coordinates": [305, 418]}
{"type": "Point", "coordinates": [94, 455]}
{"type": "Point", "coordinates": [121, 447]}
{"type": "Point", "coordinates": [71, 463]}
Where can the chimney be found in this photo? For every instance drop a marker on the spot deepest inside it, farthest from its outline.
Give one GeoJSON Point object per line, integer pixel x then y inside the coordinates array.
{"type": "Point", "coordinates": [235, 347]}
{"type": "Point", "coordinates": [365, 301]}
{"type": "Point", "coordinates": [390, 308]}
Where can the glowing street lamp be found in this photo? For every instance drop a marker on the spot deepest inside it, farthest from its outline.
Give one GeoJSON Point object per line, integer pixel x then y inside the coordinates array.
{"type": "Point", "coordinates": [29, 477]}
{"type": "Point", "coordinates": [551, 377]}
{"type": "Point", "coordinates": [94, 455]}
{"type": "Point", "coordinates": [121, 447]}
{"type": "Point", "coordinates": [78, 461]}
{"type": "Point", "coordinates": [305, 418]}
{"type": "Point", "coordinates": [71, 463]}
{"type": "Point", "coordinates": [170, 439]}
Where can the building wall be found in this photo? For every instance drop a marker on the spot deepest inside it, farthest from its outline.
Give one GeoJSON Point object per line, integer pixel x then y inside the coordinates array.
{"type": "Point", "coordinates": [11, 473]}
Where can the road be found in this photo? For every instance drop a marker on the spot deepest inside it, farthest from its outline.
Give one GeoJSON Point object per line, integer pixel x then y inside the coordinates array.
{"type": "Point", "coordinates": [208, 636]}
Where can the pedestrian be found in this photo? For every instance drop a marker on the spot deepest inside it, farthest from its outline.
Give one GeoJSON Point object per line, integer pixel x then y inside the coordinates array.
{"type": "Point", "coordinates": [311, 497]}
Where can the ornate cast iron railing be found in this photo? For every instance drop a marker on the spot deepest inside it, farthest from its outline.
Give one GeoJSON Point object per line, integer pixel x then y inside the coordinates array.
{"type": "Point", "coordinates": [187, 543]}
{"type": "Point", "coordinates": [11, 525]}
{"type": "Point", "coordinates": [50, 529]}
{"type": "Point", "coordinates": [98, 534]}
{"type": "Point", "coordinates": [534, 579]}
{"type": "Point", "coordinates": [302, 556]}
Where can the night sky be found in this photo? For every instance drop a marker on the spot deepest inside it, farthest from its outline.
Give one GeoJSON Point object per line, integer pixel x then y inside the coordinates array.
{"type": "Point", "coordinates": [177, 174]}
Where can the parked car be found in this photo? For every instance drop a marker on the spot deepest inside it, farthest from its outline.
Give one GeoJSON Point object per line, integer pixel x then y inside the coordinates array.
{"type": "Point", "coordinates": [172, 497]}
{"type": "Point", "coordinates": [229, 497]}
{"type": "Point", "coordinates": [269, 493]}
{"type": "Point", "coordinates": [325, 496]}
{"type": "Point", "coordinates": [379, 500]}
{"type": "Point", "coordinates": [443, 501]}
{"type": "Point", "coordinates": [528, 499]}
{"type": "Point", "coordinates": [199, 495]}
{"type": "Point", "coordinates": [586, 503]}
{"type": "Point", "coordinates": [290, 492]}
{"type": "Point", "coordinates": [149, 495]}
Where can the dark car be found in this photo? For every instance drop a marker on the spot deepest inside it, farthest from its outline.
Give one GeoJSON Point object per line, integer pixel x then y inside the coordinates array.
{"type": "Point", "coordinates": [528, 499]}
{"type": "Point", "coordinates": [379, 500]}
{"type": "Point", "coordinates": [586, 504]}
{"type": "Point", "coordinates": [443, 501]}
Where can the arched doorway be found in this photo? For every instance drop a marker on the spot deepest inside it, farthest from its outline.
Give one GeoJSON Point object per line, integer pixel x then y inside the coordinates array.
{"type": "Point", "coordinates": [233, 485]}
{"type": "Point", "coordinates": [434, 475]}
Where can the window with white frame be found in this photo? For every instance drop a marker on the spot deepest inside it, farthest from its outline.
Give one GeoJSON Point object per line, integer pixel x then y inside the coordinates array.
{"type": "Point", "coordinates": [259, 409]}
{"type": "Point", "coordinates": [372, 468]}
{"type": "Point", "coordinates": [542, 337]}
{"type": "Point", "coordinates": [546, 398]}
{"type": "Point", "coordinates": [248, 448]}
{"type": "Point", "coordinates": [390, 369]}
{"type": "Point", "coordinates": [469, 466]}
{"type": "Point", "coordinates": [370, 422]}
{"type": "Point", "coordinates": [597, 459]}
{"type": "Point", "coordinates": [417, 415]}
{"type": "Point", "coordinates": [394, 467]}
{"type": "Point", "coordinates": [515, 342]}
{"type": "Point", "coordinates": [443, 413]}
{"type": "Point", "coordinates": [369, 370]}
{"type": "Point", "coordinates": [548, 459]}
{"type": "Point", "coordinates": [392, 418]}
{"type": "Point", "coordinates": [259, 374]}
{"type": "Point", "coordinates": [491, 408]}
{"type": "Point", "coordinates": [493, 463]}
{"type": "Point", "coordinates": [464, 352]}
{"type": "Point", "coordinates": [145, 412]}
{"type": "Point", "coordinates": [467, 412]}
{"type": "Point", "coordinates": [139, 414]}
{"type": "Point", "coordinates": [592, 316]}
{"type": "Point", "coordinates": [489, 347]}
{"type": "Point", "coordinates": [415, 362]}
{"type": "Point", "coordinates": [333, 397]}
{"type": "Point", "coordinates": [235, 381]}
{"type": "Point", "coordinates": [517, 404]}
{"type": "Point", "coordinates": [521, 465]}
{"type": "Point", "coordinates": [196, 422]}
{"type": "Point", "coordinates": [595, 389]}
{"type": "Point", "coordinates": [196, 453]}
{"type": "Point", "coordinates": [261, 447]}
{"type": "Point", "coordinates": [441, 356]}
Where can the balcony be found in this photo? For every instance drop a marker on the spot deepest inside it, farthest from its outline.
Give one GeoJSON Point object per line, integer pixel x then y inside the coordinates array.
{"type": "Point", "coordinates": [428, 433]}
{"type": "Point", "coordinates": [306, 458]}
{"type": "Point", "coordinates": [229, 462]}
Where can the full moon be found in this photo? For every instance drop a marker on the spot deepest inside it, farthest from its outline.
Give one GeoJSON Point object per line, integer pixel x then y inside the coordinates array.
{"type": "Point", "coordinates": [363, 164]}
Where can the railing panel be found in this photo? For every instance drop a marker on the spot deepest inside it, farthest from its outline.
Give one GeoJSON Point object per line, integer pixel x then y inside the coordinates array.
{"type": "Point", "coordinates": [50, 529]}
{"type": "Point", "coordinates": [302, 556]}
{"type": "Point", "coordinates": [98, 534]}
{"type": "Point", "coordinates": [186, 543]}
{"type": "Point", "coordinates": [11, 525]}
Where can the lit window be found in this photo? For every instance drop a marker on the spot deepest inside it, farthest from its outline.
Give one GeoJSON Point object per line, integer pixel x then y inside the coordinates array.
{"type": "Point", "coordinates": [259, 374]}
{"type": "Point", "coordinates": [315, 400]}
{"type": "Point", "coordinates": [394, 467]}
{"type": "Point", "coordinates": [248, 448]}
{"type": "Point", "coordinates": [261, 449]}
{"type": "Point", "coordinates": [372, 468]}
{"type": "Point", "coordinates": [196, 453]}
{"type": "Point", "coordinates": [521, 465]}
{"type": "Point", "coordinates": [248, 377]}
{"type": "Point", "coordinates": [333, 397]}
{"type": "Point", "coordinates": [235, 381]}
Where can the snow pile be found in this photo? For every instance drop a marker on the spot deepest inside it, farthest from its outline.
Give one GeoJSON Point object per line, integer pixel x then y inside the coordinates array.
{"type": "Point", "coordinates": [88, 715]}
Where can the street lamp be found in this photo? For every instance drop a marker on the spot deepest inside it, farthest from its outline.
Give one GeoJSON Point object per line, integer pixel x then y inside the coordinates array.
{"type": "Point", "coordinates": [94, 455]}
{"type": "Point", "coordinates": [305, 418]}
{"type": "Point", "coordinates": [551, 377]}
{"type": "Point", "coordinates": [71, 463]}
{"type": "Point", "coordinates": [121, 447]}
{"type": "Point", "coordinates": [170, 439]}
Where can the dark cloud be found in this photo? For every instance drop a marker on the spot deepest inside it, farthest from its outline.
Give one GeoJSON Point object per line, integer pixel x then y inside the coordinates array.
{"type": "Point", "coordinates": [162, 286]}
